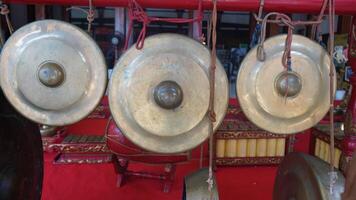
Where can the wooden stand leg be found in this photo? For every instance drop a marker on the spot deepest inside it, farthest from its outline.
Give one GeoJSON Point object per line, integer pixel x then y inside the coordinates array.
{"type": "Point", "coordinates": [121, 169]}
{"type": "Point", "coordinates": [121, 166]}
{"type": "Point", "coordinates": [169, 174]}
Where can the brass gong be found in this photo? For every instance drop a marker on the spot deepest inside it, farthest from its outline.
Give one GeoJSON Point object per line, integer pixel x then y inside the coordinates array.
{"type": "Point", "coordinates": [159, 95]}
{"type": "Point", "coordinates": [196, 186]}
{"type": "Point", "coordinates": [283, 101]}
{"type": "Point", "coordinates": [304, 177]}
{"type": "Point", "coordinates": [52, 72]}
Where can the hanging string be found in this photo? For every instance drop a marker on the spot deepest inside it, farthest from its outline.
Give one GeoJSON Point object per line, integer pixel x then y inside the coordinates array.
{"type": "Point", "coordinates": [211, 110]}
{"type": "Point", "coordinates": [257, 32]}
{"type": "Point", "coordinates": [332, 174]}
{"type": "Point", "coordinates": [4, 10]}
{"type": "Point", "coordinates": [260, 9]}
{"type": "Point", "coordinates": [90, 14]}
{"type": "Point", "coordinates": [320, 17]}
{"type": "Point", "coordinates": [201, 157]}
{"type": "Point", "coordinates": [2, 39]}
{"type": "Point", "coordinates": [282, 20]}
{"type": "Point", "coordinates": [209, 25]}
{"type": "Point", "coordinates": [353, 32]}
{"type": "Point", "coordinates": [137, 13]}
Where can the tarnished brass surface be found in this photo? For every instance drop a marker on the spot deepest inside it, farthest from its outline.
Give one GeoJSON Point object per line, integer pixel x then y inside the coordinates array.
{"type": "Point", "coordinates": [304, 177]}
{"type": "Point", "coordinates": [174, 121]}
{"type": "Point", "coordinates": [197, 188]}
{"type": "Point", "coordinates": [52, 72]}
{"type": "Point", "coordinates": [262, 93]}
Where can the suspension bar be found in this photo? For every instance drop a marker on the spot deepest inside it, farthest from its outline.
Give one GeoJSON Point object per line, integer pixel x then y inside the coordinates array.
{"type": "Point", "coordinates": [344, 7]}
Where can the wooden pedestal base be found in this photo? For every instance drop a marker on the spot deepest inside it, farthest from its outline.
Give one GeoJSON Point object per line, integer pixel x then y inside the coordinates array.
{"type": "Point", "coordinates": [121, 168]}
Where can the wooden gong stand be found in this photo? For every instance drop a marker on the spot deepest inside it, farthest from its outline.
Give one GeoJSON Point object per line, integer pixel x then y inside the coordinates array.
{"type": "Point", "coordinates": [123, 173]}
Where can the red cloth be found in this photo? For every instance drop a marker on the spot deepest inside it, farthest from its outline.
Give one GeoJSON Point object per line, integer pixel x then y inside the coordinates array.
{"type": "Point", "coordinates": [98, 182]}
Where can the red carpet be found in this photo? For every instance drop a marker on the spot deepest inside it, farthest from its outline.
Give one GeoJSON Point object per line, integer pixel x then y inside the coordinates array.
{"type": "Point", "coordinates": [98, 181]}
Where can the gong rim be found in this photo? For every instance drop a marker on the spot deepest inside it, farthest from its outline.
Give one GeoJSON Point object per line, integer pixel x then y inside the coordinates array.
{"type": "Point", "coordinates": [305, 177]}
{"type": "Point", "coordinates": [122, 105]}
{"type": "Point", "coordinates": [72, 50]}
{"type": "Point", "coordinates": [265, 106]}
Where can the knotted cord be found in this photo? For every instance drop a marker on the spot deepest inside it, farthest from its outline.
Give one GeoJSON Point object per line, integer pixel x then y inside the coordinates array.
{"type": "Point", "coordinates": [137, 13]}
{"type": "Point", "coordinates": [90, 14]}
{"type": "Point", "coordinates": [320, 17]}
{"type": "Point", "coordinates": [257, 32]}
{"type": "Point", "coordinates": [282, 20]}
{"type": "Point", "coordinates": [332, 174]}
{"type": "Point", "coordinates": [4, 10]}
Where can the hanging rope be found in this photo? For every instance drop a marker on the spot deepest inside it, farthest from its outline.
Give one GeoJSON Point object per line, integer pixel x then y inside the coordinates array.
{"type": "Point", "coordinates": [353, 32]}
{"type": "Point", "coordinates": [255, 39]}
{"type": "Point", "coordinates": [211, 111]}
{"type": "Point", "coordinates": [283, 20]}
{"type": "Point", "coordinates": [90, 14]}
{"type": "Point", "coordinates": [4, 10]}
{"type": "Point", "coordinates": [320, 18]}
{"type": "Point", "coordinates": [137, 13]}
{"type": "Point", "coordinates": [332, 173]}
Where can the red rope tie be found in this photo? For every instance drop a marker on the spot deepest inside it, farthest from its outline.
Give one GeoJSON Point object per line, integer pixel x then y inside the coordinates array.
{"type": "Point", "coordinates": [137, 13]}
{"type": "Point", "coordinates": [91, 16]}
{"type": "Point", "coordinates": [4, 10]}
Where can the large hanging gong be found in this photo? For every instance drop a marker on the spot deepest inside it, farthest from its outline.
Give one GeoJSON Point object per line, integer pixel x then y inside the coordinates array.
{"type": "Point", "coordinates": [159, 95]}
{"type": "Point", "coordinates": [304, 177]}
{"type": "Point", "coordinates": [282, 101]}
{"type": "Point", "coordinates": [52, 72]}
